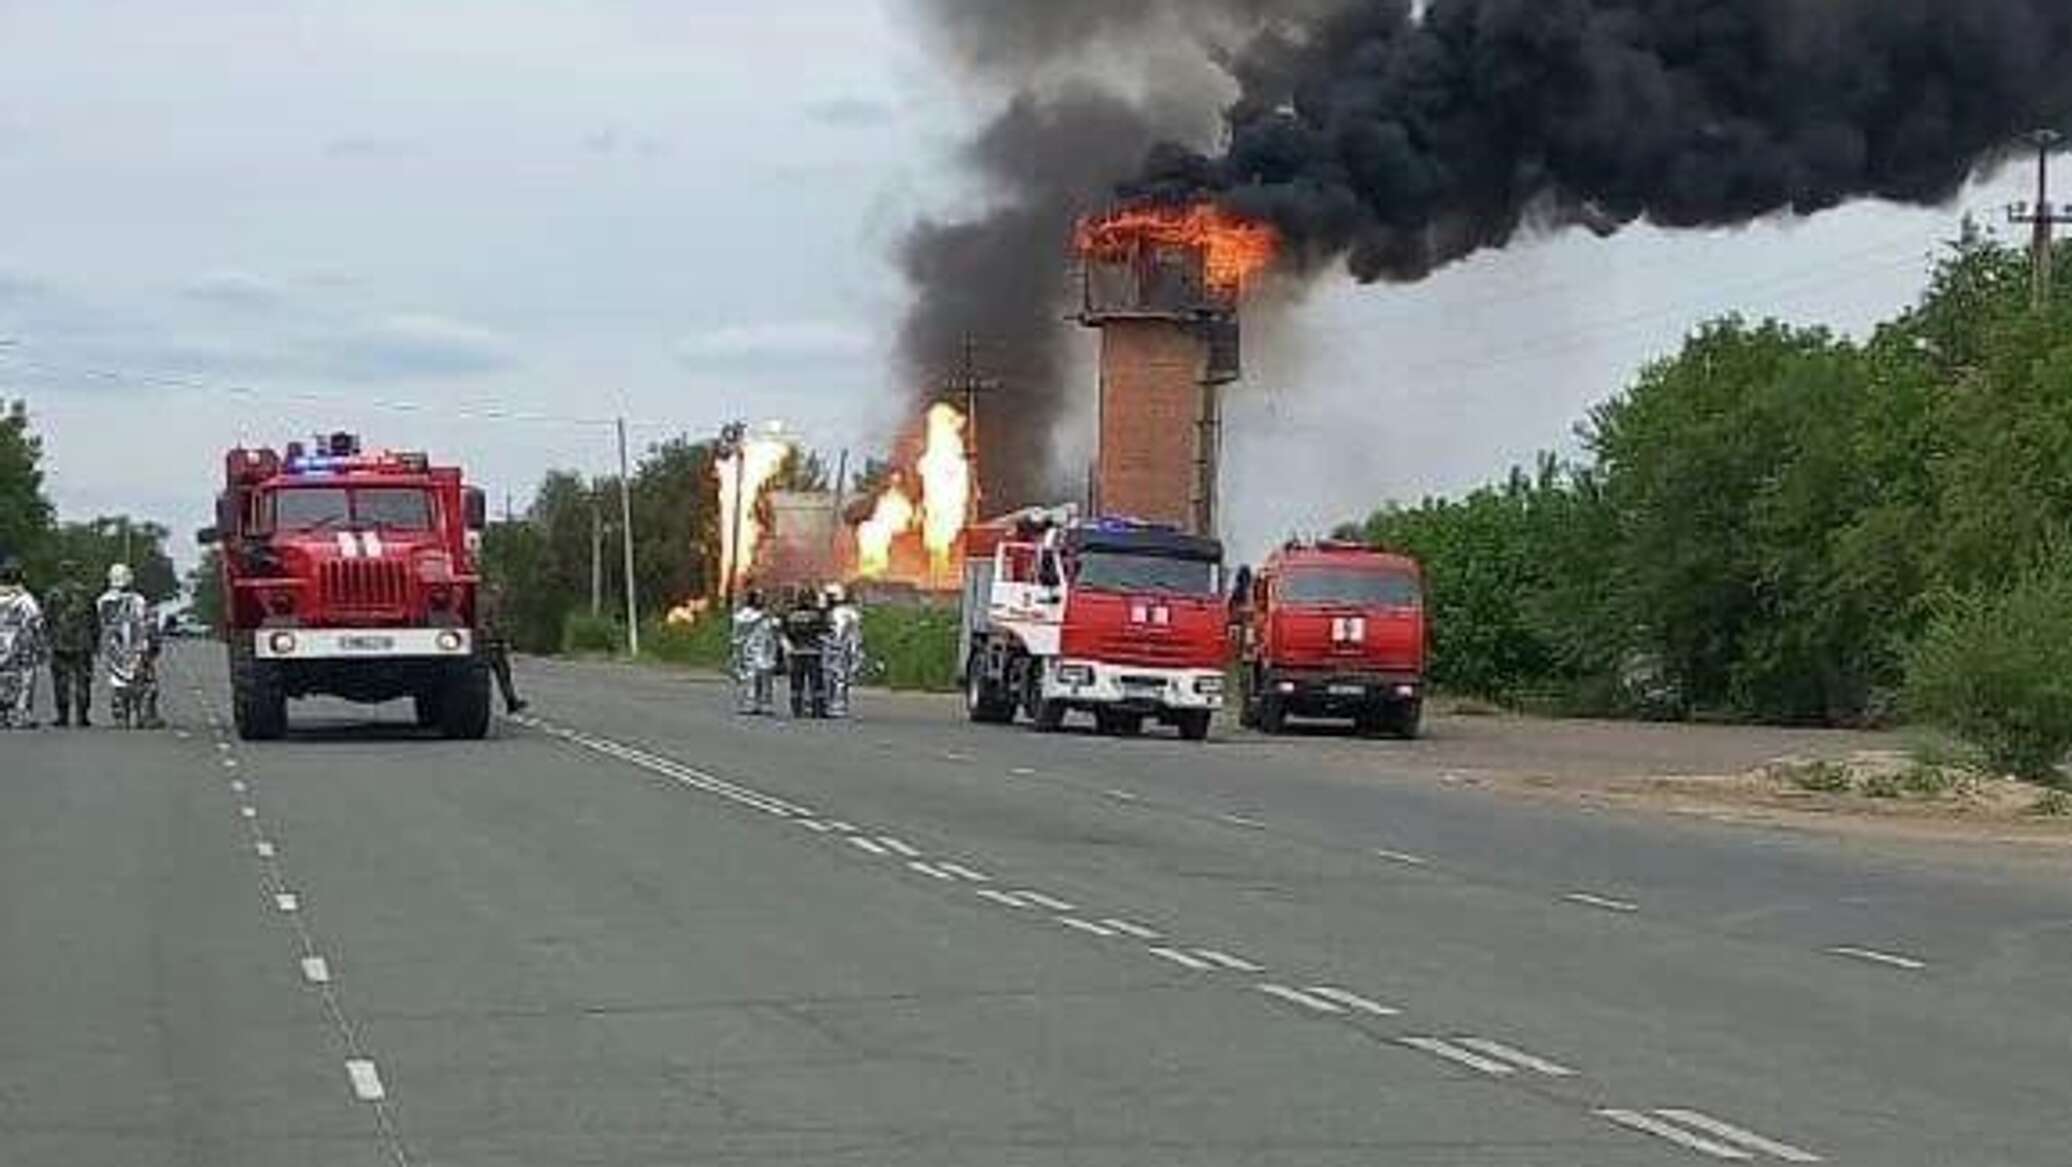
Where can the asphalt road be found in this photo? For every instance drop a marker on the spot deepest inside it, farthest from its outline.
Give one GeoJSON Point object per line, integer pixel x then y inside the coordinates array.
{"type": "Point", "coordinates": [636, 929]}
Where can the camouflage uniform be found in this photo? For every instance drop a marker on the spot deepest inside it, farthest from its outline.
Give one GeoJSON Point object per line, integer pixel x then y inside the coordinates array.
{"type": "Point", "coordinates": [496, 644]}
{"type": "Point", "coordinates": [129, 652]}
{"type": "Point", "coordinates": [21, 655]}
{"type": "Point", "coordinates": [75, 633]}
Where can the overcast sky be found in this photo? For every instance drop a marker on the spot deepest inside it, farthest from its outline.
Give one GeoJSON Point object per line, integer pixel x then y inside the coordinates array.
{"type": "Point", "coordinates": [231, 220]}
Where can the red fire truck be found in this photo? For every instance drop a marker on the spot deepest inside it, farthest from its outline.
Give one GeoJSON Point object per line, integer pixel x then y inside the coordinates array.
{"type": "Point", "coordinates": [1120, 619]}
{"type": "Point", "coordinates": [1332, 630]}
{"type": "Point", "coordinates": [352, 575]}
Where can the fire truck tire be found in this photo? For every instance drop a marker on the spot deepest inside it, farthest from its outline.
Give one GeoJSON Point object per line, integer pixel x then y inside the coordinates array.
{"type": "Point", "coordinates": [1406, 719]}
{"type": "Point", "coordinates": [1049, 716]}
{"type": "Point", "coordinates": [464, 704]}
{"type": "Point", "coordinates": [1193, 724]}
{"type": "Point", "coordinates": [426, 705]}
{"type": "Point", "coordinates": [1272, 715]}
{"type": "Point", "coordinates": [1119, 724]}
{"type": "Point", "coordinates": [259, 705]}
{"type": "Point", "coordinates": [983, 700]}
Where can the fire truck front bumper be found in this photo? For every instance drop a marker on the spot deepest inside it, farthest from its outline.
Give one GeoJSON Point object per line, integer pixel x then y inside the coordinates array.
{"type": "Point", "coordinates": [336, 644]}
{"type": "Point", "coordinates": [1086, 684]}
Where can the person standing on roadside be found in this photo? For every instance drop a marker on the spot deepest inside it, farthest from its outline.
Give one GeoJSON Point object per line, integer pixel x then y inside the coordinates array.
{"type": "Point", "coordinates": [21, 649]}
{"type": "Point", "coordinates": [496, 643]}
{"type": "Point", "coordinates": [844, 649]}
{"type": "Point", "coordinates": [754, 643]}
{"type": "Point", "coordinates": [75, 635]}
{"type": "Point", "coordinates": [127, 647]}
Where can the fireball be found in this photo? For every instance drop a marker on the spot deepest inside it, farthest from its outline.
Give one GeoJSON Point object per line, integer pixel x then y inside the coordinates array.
{"type": "Point", "coordinates": [743, 477]}
{"type": "Point", "coordinates": [945, 472]}
{"type": "Point", "coordinates": [893, 517]}
{"type": "Point", "coordinates": [1234, 249]}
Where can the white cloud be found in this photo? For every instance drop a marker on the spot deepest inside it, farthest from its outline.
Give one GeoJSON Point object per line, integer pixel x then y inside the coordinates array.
{"type": "Point", "coordinates": [235, 289]}
{"type": "Point", "coordinates": [414, 345]}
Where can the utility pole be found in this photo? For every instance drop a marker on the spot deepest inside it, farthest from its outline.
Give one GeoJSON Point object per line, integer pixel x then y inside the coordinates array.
{"type": "Point", "coordinates": [834, 534]}
{"type": "Point", "coordinates": [626, 540]}
{"type": "Point", "coordinates": [733, 444]}
{"type": "Point", "coordinates": [968, 384]}
{"type": "Point", "coordinates": [2043, 218]}
{"type": "Point", "coordinates": [596, 557]}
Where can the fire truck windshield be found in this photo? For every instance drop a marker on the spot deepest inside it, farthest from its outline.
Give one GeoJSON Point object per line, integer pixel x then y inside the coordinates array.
{"type": "Point", "coordinates": [1120, 572]}
{"type": "Point", "coordinates": [316, 508]}
{"type": "Point", "coordinates": [1365, 587]}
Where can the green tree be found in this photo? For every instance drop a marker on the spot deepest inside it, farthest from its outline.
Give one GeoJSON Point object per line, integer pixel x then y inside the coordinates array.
{"type": "Point", "coordinates": [25, 513]}
{"type": "Point", "coordinates": [205, 583]}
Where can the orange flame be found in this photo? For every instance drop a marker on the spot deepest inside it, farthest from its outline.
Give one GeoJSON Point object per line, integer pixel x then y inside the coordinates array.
{"type": "Point", "coordinates": [758, 462]}
{"type": "Point", "coordinates": [1235, 249]}
{"type": "Point", "coordinates": [945, 484]}
{"type": "Point", "coordinates": [893, 517]}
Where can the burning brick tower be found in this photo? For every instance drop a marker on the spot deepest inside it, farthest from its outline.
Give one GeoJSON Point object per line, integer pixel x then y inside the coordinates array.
{"type": "Point", "coordinates": [1163, 287]}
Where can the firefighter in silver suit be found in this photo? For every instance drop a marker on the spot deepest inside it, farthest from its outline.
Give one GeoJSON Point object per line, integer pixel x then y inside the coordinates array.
{"type": "Point", "coordinates": [22, 649]}
{"type": "Point", "coordinates": [844, 649]}
{"type": "Point", "coordinates": [129, 650]}
{"type": "Point", "coordinates": [754, 642]}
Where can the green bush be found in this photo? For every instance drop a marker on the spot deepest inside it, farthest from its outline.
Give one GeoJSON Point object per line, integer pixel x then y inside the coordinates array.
{"type": "Point", "coordinates": [583, 632]}
{"type": "Point", "coordinates": [705, 644]}
{"type": "Point", "coordinates": [911, 648]}
{"type": "Point", "coordinates": [1820, 777]}
{"type": "Point", "coordinates": [2054, 804]}
{"type": "Point", "coordinates": [1995, 669]}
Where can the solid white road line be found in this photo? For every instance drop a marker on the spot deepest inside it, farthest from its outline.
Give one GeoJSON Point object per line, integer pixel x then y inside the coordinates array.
{"type": "Point", "coordinates": [870, 845]}
{"type": "Point", "coordinates": [1043, 901]}
{"type": "Point", "coordinates": [287, 902]}
{"type": "Point", "coordinates": [900, 847]}
{"type": "Point", "coordinates": [1512, 1054]}
{"type": "Point", "coordinates": [1453, 1053]}
{"type": "Point", "coordinates": [1086, 926]}
{"type": "Point", "coordinates": [1662, 1130]}
{"type": "Point", "coordinates": [1128, 928]}
{"type": "Point", "coordinates": [815, 825]}
{"type": "Point", "coordinates": [1234, 963]}
{"type": "Point", "coordinates": [315, 970]}
{"type": "Point", "coordinates": [366, 1080]}
{"type": "Point", "coordinates": [1352, 1000]}
{"type": "Point", "coordinates": [1299, 997]}
{"type": "Point", "coordinates": [966, 873]}
{"type": "Point", "coordinates": [1597, 901]}
{"type": "Point", "coordinates": [1399, 857]}
{"type": "Point", "coordinates": [930, 870]}
{"type": "Point", "coordinates": [1735, 1134]}
{"type": "Point", "coordinates": [841, 826]}
{"type": "Point", "coordinates": [1180, 958]}
{"type": "Point", "coordinates": [1885, 958]}
{"type": "Point", "coordinates": [1003, 898]}
{"type": "Point", "coordinates": [264, 848]}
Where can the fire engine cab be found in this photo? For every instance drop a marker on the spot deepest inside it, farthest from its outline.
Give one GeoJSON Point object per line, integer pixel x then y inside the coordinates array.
{"type": "Point", "coordinates": [1120, 619]}
{"type": "Point", "coordinates": [351, 575]}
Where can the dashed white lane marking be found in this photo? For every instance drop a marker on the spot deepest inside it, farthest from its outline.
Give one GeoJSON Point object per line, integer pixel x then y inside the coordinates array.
{"type": "Point", "coordinates": [1439, 1047]}
{"type": "Point", "coordinates": [1735, 1134]}
{"type": "Point", "coordinates": [1130, 928]}
{"type": "Point", "coordinates": [1516, 1056]}
{"type": "Point", "coordinates": [1233, 963]}
{"type": "Point", "coordinates": [1003, 898]}
{"type": "Point", "coordinates": [966, 873]}
{"type": "Point", "coordinates": [1122, 796]}
{"type": "Point", "coordinates": [1043, 901]}
{"type": "Point", "coordinates": [815, 825]}
{"type": "Point", "coordinates": [1886, 958]}
{"type": "Point", "coordinates": [1022, 771]}
{"type": "Point", "coordinates": [1238, 820]}
{"type": "Point", "coordinates": [222, 747]}
{"type": "Point", "coordinates": [316, 970]}
{"type": "Point", "coordinates": [250, 812]}
{"type": "Point", "coordinates": [1351, 1000]}
{"type": "Point", "coordinates": [1590, 900]}
{"type": "Point", "coordinates": [182, 734]}
{"type": "Point", "coordinates": [1399, 857]}
{"type": "Point", "coordinates": [237, 786]}
{"type": "Point", "coordinates": [955, 756]}
{"type": "Point", "coordinates": [287, 901]}
{"type": "Point", "coordinates": [841, 826]}
{"type": "Point", "coordinates": [1086, 926]}
{"type": "Point", "coordinates": [1297, 996]}
{"type": "Point", "coordinates": [1180, 958]}
{"type": "Point", "coordinates": [264, 848]}
{"type": "Point", "coordinates": [1648, 1124]}
{"type": "Point", "coordinates": [870, 845]}
{"type": "Point", "coordinates": [930, 870]}
{"type": "Point", "coordinates": [366, 1079]}
{"type": "Point", "coordinates": [230, 763]}
{"type": "Point", "coordinates": [900, 847]}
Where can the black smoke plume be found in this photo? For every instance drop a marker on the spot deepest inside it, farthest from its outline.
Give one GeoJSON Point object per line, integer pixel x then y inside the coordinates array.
{"type": "Point", "coordinates": [1000, 279]}
{"type": "Point", "coordinates": [1404, 141]}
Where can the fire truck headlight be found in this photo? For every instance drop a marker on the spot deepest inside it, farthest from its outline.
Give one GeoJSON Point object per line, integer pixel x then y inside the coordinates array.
{"type": "Point", "coordinates": [450, 641]}
{"type": "Point", "coordinates": [1285, 687]}
{"type": "Point", "coordinates": [1075, 674]}
{"type": "Point", "coordinates": [281, 644]}
{"type": "Point", "coordinates": [1208, 685]}
{"type": "Point", "coordinates": [1406, 690]}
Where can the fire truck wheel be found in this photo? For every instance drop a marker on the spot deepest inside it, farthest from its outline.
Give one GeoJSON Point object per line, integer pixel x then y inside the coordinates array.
{"type": "Point", "coordinates": [1120, 724]}
{"type": "Point", "coordinates": [258, 703]}
{"type": "Point", "coordinates": [1048, 716]}
{"type": "Point", "coordinates": [427, 708]}
{"type": "Point", "coordinates": [1194, 724]}
{"type": "Point", "coordinates": [1272, 716]}
{"type": "Point", "coordinates": [983, 702]}
{"type": "Point", "coordinates": [464, 705]}
{"type": "Point", "coordinates": [1406, 719]}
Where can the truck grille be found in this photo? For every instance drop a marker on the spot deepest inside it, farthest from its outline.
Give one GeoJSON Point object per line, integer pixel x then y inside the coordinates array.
{"type": "Point", "coordinates": [365, 587]}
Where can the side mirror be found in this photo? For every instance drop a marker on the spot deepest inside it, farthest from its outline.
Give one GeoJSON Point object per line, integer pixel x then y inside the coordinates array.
{"type": "Point", "coordinates": [477, 506]}
{"type": "Point", "coordinates": [1241, 590]}
{"type": "Point", "coordinates": [208, 536]}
